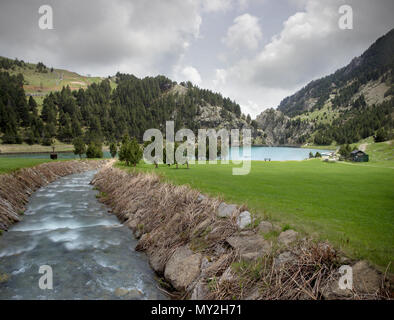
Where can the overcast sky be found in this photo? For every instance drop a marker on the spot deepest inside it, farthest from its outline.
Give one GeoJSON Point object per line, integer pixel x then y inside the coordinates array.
{"type": "Point", "coordinates": [254, 51]}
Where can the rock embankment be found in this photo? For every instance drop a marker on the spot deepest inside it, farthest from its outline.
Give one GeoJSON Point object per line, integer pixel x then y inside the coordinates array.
{"type": "Point", "coordinates": [16, 188]}
{"type": "Point", "coordinates": [207, 249]}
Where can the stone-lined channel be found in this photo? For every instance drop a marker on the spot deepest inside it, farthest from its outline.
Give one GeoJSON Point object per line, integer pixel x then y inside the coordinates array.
{"type": "Point", "coordinates": [91, 254]}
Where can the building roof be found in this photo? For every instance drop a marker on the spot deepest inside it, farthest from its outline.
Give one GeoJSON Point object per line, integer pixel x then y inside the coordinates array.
{"type": "Point", "coordinates": [357, 151]}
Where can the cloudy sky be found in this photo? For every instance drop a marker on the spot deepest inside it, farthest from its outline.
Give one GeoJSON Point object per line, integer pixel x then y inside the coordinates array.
{"type": "Point", "coordinates": [254, 51]}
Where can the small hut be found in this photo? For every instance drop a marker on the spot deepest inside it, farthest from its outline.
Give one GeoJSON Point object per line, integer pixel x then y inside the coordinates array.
{"type": "Point", "coordinates": [359, 156]}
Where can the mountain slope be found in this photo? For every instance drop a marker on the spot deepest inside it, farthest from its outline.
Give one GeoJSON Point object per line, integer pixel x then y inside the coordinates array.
{"type": "Point", "coordinates": [40, 80]}
{"type": "Point", "coordinates": [104, 110]}
{"type": "Point", "coordinates": [326, 104]}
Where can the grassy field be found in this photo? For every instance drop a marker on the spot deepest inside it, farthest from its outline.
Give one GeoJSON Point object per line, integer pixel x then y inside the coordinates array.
{"type": "Point", "coordinates": [38, 82]}
{"type": "Point", "coordinates": [351, 206]}
{"type": "Point", "coordinates": [8, 165]}
{"type": "Point", "coordinates": [22, 148]}
{"type": "Point", "coordinates": [380, 154]}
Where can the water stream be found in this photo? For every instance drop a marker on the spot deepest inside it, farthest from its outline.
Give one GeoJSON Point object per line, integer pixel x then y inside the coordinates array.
{"type": "Point", "coordinates": [91, 254]}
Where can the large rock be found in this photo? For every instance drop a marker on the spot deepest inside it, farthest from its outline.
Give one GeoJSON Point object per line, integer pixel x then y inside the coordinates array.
{"type": "Point", "coordinates": [182, 268]}
{"type": "Point", "coordinates": [254, 294]}
{"type": "Point", "coordinates": [265, 227]}
{"type": "Point", "coordinates": [200, 291]}
{"type": "Point", "coordinates": [120, 292]}
{"type": "Point", "coordinates": [216, 266]}
{"type": "Point", "coordinates": [250, 247]}
{"type": "Point", "coordinates": [156, 260]}
{"type": "Point", "coordinates": [134, 294]}
{"type": "Point", "coordinates": [365, 279]}
{"type": "Point", "coordinates": [244, 220]}
{"type": "Point", "coordinates": [226, 210]}
{"type": "Point", "coordinates": [287, 237]}
{"type": "Point", "coordinates": [284, 258]}
{"type": "Point", "coordinates": [227, 276]}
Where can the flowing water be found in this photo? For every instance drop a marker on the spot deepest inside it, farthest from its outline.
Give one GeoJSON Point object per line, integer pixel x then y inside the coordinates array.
{"type": "Point", "coordinates": [91, 254]}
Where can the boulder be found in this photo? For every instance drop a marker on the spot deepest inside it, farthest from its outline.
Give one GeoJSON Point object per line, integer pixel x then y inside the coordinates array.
{"type": "Point", "coordinates": [201, 197]}
{"type": "Point", "coordinates": [250, 247]}
{"type": "Point", "coordinates": [366, 279]}
{"type": "Point", "coordinates": [265, 227]}
{"type": "Point", "coordinates": [244, 220]}
{"type": "Point", "coordinates": [284, 258]}
{"type": "Point", "coordinates": [120, 292]}
{"type": "Point", "coordinates": [182, 268]}
{"type": "Point", "coordinates": [254, 294]}
{"type": "Point", "coordinates": [226, 210]}
{"type": "Point", "coordinates": [287, 237]}
{"type": "Point", "coordinates": [134, 294]}
{"type": "Point", "coordinates": [155, 260]}
{"type": "Point", "coordinates": [216, 266]}
{"type": "Point", "coordinates": [200, 291]}
{"type": "Point", "coordinates": [227, 276]}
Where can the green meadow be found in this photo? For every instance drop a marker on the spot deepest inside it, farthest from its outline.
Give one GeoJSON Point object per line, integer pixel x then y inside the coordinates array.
{"type": "Point", "coordinates": [352, 206]}
{"type": "Point", "coordinates": [8, 165]}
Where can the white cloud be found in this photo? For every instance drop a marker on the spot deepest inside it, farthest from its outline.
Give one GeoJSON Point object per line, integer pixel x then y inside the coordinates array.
{"type": "Point", "coordinates": [187, 73]}
{"type": "Point", "coordinates": [245, 33]}
{"type": "Point", "coordinates": [216, 5]}
{"type": "Point", "coordinates": [309, 46]}
{"type": "Point", "coordinates": [101, 37]}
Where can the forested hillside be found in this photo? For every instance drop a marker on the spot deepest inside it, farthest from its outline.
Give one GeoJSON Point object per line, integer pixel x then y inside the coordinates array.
{"type": "Point", "coordinates": [103, 112]}
{"type": "Point", "coordinates": [344, 107]}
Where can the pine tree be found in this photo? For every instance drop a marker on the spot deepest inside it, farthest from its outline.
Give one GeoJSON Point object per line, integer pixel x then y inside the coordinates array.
{"type": "Point", "coordinates": [113, 149]}
{"type": "Point", "coordinates": [79, 147]}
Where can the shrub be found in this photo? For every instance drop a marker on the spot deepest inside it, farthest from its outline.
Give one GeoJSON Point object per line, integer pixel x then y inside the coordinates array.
{"type": "Point", "coordinates": [113, 149]}
{"type": "Point", "coordinates": [94, 150]}
{"type": "Point", "coordinates": [381, 135]}
{"type": "Point", "coordinates": [79, 147]}
{"type": "Point", "coordinates": [130, 151]}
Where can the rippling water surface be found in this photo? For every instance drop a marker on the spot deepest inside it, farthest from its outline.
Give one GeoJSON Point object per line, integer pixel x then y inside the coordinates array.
{"type": "Point", "coordinates": [91, 254]}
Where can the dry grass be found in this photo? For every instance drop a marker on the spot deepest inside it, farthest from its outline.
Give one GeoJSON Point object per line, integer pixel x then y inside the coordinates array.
{"type": "Point", "coordinates": [169, 216]}
{"type": "Point", "coordinates": [166, 217]}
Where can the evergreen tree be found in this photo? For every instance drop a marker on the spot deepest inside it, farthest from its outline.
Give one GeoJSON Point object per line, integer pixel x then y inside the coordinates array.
{"type": "Point", "coordinates": [94, 150]}
{"type": "Point", "coordinates": [79, 147]}
{"type": "Point", "coordinates": [113, 149]}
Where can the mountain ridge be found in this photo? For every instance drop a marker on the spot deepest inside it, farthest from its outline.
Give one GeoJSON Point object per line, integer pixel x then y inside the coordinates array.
{"type": "Point", "coordinates": [323, 105]}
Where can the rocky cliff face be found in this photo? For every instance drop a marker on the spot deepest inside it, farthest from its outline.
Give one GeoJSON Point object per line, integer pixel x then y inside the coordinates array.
{"type": "Point", "coordinates": [212, 117]}
{"type": "Point", "coordinates": [280, 129]}
{"type": "Point", "coordinates": [366, 82]}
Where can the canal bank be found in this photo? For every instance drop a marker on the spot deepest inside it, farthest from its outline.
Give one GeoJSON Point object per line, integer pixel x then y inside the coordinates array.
{"type": "Point", "coordinates": [207, 249]}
